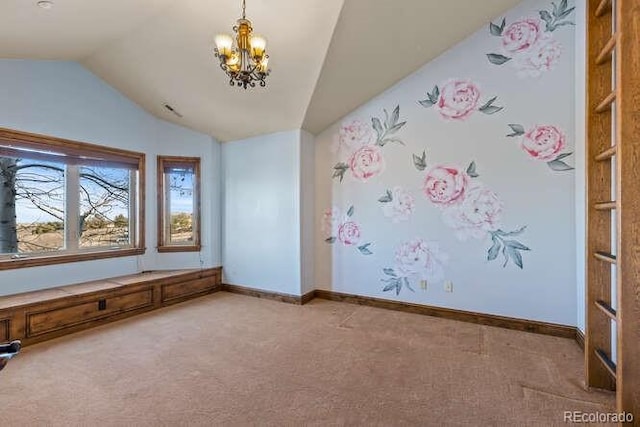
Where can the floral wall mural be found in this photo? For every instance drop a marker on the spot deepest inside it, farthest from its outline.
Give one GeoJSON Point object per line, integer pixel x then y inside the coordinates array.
{"type": "Point", "coordinates": [528, 43]}
{"type": "Point", "coordinates": [459, 197]}
{"type": "Point", "coordinates": [458, 99]}
{"type": "Point", "coordinates": [343, 229]}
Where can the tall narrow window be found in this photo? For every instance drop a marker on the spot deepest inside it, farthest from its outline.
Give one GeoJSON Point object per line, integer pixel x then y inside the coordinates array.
{"type": "Point", "coordinates": [64, 201]}
{"type": "Point", "coordinates": [178, 204]}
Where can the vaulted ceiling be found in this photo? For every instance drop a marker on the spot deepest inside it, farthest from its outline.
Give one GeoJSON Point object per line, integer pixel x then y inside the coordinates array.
{"type": "Point", "coordinates": [327, 56]}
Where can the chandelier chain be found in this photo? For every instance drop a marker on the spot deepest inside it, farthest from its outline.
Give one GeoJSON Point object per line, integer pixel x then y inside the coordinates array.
{"type": "Point", "coordinates": [244, 7]}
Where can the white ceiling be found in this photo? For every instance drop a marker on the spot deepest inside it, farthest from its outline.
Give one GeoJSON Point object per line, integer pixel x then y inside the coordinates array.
{"type": "Point", "coordinates": [326, 58]}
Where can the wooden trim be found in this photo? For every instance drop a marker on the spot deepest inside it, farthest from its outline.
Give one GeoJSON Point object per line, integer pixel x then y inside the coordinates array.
{"type": "Point", "coordinates": [67, 146]}
{"type": "Point", "coordinates": [628, 216]}
{"type": "Point", "coordinates": [176, 248]}
{"type": "Point", "coordinates": [534, 326]}
{"type": "Point", "coordinates": [82, 149]}
{"type": "Point", "coordinates": [162, 163]}
{"type": "Point", "coordinates": [37, 261]}
{"type": "Point", "coordinates": [306, 298]}
{"type": "Point", "coordinates": [275, 296]}
{"type": "Point", "coordinates": [580, 338]}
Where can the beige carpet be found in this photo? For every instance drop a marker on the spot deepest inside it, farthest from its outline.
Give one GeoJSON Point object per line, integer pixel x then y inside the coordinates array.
{"type": "Point", "coordinates": [233, 360]}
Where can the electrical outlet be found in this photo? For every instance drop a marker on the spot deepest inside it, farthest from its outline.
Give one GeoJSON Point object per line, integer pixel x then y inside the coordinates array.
{"type": "Point", "coordinates": [448, 286]}
{"type": "Point", "coordinates": [423, 285]}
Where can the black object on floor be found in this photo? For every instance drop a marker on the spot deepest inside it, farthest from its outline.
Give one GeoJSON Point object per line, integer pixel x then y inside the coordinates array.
{"type": "Point", "coordinates": [7, 351]}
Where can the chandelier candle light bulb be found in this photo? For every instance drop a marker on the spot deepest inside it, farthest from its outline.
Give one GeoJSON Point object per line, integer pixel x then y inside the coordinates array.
{"type": "Point", "coordinates": [246, 61]}
{"type": "Point", "coordinates": [258, 45]}
{"type": "Point", "coordinates": [224, 43]}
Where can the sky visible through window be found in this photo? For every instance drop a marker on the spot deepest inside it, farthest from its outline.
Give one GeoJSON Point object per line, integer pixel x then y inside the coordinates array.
{"type": "Point", "coordinates": [41, 199]}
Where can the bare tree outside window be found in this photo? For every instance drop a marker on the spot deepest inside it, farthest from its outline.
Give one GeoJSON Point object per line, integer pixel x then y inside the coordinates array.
{"type": "Point", "coordinates": [33, 196]}
{"type": "Point", "coordinates": [179, 216]}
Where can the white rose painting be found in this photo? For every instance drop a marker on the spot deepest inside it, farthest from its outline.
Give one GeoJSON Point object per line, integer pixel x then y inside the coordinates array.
{"type": "Point", "coordinates": [397, 204]}
{"type": "Point", "coordinates": [416, 260]}
{"type": "Point", "coordinates": [528, 44]}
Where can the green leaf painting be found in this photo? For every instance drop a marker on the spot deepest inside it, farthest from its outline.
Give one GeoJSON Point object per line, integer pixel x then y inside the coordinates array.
{"type": "Point", "coordinates": [489, 108]}
{"type": "Point", "coordinates": [339, 170]}
{"type": "Point", "coordinates": [497, 59]}
{"type": "Point", "coordinates": [420, 162]}
{"type": "Point", "coordinates": [496, 30]}
{"type": "Point", "coordinates": [556, 17]}
{"type": "Point", "coordinates": [364, 249]}
{"type": "Point", "coordinates": [388, 197]}
{"type": "Point", "coordinates": [386, 130]}
{"type": "Point", "coordinates": [511, 249]}
{"type": "Point", "coordinates": [471, 170]}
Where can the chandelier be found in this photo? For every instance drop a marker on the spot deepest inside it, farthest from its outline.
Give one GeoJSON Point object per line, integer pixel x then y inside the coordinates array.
{"type": "Point", "coordinates": [246, 63]}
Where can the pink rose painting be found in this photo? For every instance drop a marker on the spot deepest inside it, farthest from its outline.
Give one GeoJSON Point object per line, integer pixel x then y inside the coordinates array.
{"type": "Point", "coordinates": [528, 43]}
{"type": "Point", "coordinates": [349, 233]}
{"type": "Point", "coordinates": [457, 99]}
{"type": "Point", "coordinates": [397, 204]}
{"type": "Point", "coordinates": [361, 144]}
{"type": "Point", "coordinates": [416, 259]}
{"type": "Point", "coordinates": [445, 185]}
{"type": "Point", "coordinates": [469, 208]}
{"type": "Point", "coordinates": [521, 35]}
{"type": "Point", "coordinates": [342, 228]}
{"type": "Point", "coordinates": [366, 162]}
{"type": "Point", "coordinates": [544, 143]}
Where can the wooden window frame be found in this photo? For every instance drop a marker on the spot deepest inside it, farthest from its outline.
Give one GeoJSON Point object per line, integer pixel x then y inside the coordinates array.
{"type": "Point", "coordinates": [71, 149]}
{"type": "Point", "coordinates": [163, 244]}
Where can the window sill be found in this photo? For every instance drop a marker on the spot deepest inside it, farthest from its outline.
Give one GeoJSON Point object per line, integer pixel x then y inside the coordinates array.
{"type": "Point", "coordinates": [38, 261]}
{"type": "Point", "coordinates": [177, 248]}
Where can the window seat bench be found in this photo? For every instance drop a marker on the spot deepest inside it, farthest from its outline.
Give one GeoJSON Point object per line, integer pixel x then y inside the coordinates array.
{"type": "Point", "coordinates": [49, 313]}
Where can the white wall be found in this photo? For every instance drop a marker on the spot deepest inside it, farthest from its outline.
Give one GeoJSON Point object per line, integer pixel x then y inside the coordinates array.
{"type": "Point", "coordinates": [531, 193]}
{"type": "Point", "coordinates": [65, 100]}
{"type": "Point", "coordinates": [261, 212]}
{"type": "Point", "coordinates": [307, 210]}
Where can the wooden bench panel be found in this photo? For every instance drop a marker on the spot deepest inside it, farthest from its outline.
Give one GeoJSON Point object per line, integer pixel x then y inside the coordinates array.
{"type": "Point", "coordinates": [49, 313]}
{"type": "Point", "coordinates": [181, 290]}
{"type": "Point", "coordinates": [53, 319]}
{"type": "Point", "coordinates": [5, 330]}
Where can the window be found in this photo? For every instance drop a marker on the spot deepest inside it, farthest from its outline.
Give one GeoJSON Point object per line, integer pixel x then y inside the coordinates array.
{"type": "Point", "coordinates": [64, 201]}
{"type": "Point", "coordinates": [178, 204]}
